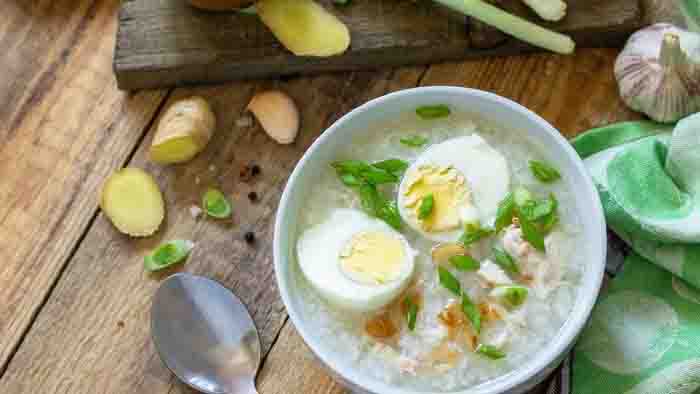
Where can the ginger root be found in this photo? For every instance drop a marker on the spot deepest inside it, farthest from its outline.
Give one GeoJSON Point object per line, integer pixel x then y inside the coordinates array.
{"type": "Point", "coordinates": [304, 27]}
{"type": "Point", "coordinates": [133, 202]}
{"type": "Point", "coordinates": [184, 130]}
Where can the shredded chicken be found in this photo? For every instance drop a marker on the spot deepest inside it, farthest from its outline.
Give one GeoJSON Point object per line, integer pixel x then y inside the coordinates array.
{"type": "Point", "coordinates": [492, 274]}
{"type": "Point", "coordinates": [536, 268]}
{"type": "Point", "coordinates": [408, 365]}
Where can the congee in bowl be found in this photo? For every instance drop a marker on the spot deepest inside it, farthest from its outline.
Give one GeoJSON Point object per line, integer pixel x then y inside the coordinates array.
{"type": "Point", "coordinates": [437, 251]}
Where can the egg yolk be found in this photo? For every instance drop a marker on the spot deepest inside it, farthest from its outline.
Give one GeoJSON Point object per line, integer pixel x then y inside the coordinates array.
{"type": "Point", "coordinates": [373, 258]}
{"type": "Point", "coordinates": [450, 193]}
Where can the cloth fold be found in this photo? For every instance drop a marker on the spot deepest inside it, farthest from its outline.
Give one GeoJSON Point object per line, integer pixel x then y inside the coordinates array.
{"type": "Point", "coordinates": [648, 176]}
{"type": "Point", "coordinates": [644, 334]}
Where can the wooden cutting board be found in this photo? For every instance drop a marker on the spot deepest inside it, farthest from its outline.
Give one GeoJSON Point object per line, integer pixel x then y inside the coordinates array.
{"type": "Point", "coordinates": [166, 42]}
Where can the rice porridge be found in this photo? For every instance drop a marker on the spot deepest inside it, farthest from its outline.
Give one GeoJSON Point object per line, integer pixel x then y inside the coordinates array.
{"type": "Point", "coordinates": [437, 253]}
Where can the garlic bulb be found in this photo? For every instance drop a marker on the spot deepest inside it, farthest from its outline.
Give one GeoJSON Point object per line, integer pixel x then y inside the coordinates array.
{"type": "Point", "coordinates": [658, 72]}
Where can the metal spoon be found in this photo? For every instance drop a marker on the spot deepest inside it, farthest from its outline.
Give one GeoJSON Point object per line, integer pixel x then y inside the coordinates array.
{"type": "Point", "coordinates": [205, 335]}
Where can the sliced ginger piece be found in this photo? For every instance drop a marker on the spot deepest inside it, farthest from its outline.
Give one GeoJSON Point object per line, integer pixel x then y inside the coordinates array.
{"type": "Point", "coordinates": [184, 130]}
{"type": "Point", "coordinates": [133, 202]}
{"type": "Point", "coordinates": [304, 27]}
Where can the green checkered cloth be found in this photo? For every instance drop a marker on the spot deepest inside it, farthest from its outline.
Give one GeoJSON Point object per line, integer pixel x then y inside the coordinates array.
{"type": "Point", "coordinates": [644, 335]}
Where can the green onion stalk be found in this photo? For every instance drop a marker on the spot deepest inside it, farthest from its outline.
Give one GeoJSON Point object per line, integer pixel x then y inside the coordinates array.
{"type": "Point", "coordinates": [513, 25]}
{"type": "Point", "coordinates": [691, 10]}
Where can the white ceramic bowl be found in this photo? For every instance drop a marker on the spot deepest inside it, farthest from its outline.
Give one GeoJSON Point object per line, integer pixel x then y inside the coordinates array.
{"type": "Point", "coordinates": [511, 116]}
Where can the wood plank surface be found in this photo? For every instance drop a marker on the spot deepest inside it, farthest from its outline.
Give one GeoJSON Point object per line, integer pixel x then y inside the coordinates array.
{"type": "Point", "coordinates": [93, 334]}
{"type": "Point", "coordinates": [166, 42]}
{"type": "Point", "coordinates": [63, 125]}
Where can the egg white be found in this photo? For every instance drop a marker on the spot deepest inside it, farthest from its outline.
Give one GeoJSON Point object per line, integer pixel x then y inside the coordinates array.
{"type": "Point", "coordinates": [485, 170]}
{"type": "Point", "coordinates": [318, 254]}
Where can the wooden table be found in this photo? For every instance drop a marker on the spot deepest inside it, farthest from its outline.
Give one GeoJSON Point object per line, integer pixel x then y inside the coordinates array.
{"type": "Point", "coordinates": [74, 298]}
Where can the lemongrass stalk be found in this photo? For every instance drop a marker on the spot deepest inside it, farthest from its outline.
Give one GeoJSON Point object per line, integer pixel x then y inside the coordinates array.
{"type": "Point", "coordinates": [513, 25]}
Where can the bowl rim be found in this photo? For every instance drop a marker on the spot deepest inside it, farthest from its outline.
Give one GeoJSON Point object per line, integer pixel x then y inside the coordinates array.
{"type": "Point", "coordinates": [560, 343]}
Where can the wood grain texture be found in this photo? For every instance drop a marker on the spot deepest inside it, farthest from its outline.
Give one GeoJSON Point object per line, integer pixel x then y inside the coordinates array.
{"type": "Point", "coordinates": [550, 85]}
{"type": "Point", "coordinates": [93, 334]}
{"type": "Point", "coordinates": [166, 42]}
{"type": "Point", "coordinates": [63, 125]}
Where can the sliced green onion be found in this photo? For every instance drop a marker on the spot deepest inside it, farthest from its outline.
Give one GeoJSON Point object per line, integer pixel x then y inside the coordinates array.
{"type": "Point", "coordinates": [531, 233]}
{"type": "Point", "coordinates": [551, 220]}
{"type": "Point", "coordinates": [544, 171]}
{"type": "Point", "coordinates": [522, 196]}
{"type": "Point", "coordinates": [414, 141]}
{"type": "Point", "coordinates": [464, 263]}
{"type": "Point", "coordinates": [491, 352]}
{"type": "Point", "coordinates": [505, 261]}
{"type": "Point", "coordinates": [505, 213]}
{"type": "Point", "coordinates": [473, 233]}
{"type": "Point", "coordinates": [428, 112]}
{"type": "Point", "coordinates": [389, 213]}
{"type": "Point", "coordinates": [426, 207]}
{"type": "Point", "coordinates": [167, 254]}
{"type": "Point", "coordinates": [411, 313]}
{"type": "Point", "coordinates": [351, 180]}
{"type": "Point", "coordinates": [514, 296]}
{"type": "Point", "coordinates": [395, 166]}
{"type": "Point", "coordinates": [448, 281]}
{"type": "Point", "coordinates": [364, 178]}
{"type": "Point", "coordinates": [215, 204]}
{"type": "Point", "coordinates": [472, 312]}
{"type": "Point", "coordinates": [542, 214]}
{"type": "Point", "coordinates": [362, 170]}
{"type": "Point", "coordinates": [513, 25]}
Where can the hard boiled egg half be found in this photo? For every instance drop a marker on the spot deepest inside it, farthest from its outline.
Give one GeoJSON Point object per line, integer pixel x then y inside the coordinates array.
{"type": "Point", "coordinates": [466, 178]}
{"type": "Point", "coordinates": [354, 261]}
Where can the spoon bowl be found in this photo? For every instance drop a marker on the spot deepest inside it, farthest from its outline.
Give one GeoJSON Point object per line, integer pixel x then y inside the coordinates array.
{"type": "Point", "coordinates": [205, 335]}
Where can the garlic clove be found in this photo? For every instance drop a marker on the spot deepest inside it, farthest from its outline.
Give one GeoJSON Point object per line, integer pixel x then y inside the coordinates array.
{"type": "Point", "coordinates": [277, 114]}
{"type": "Point", "coordinates": [658, 72]}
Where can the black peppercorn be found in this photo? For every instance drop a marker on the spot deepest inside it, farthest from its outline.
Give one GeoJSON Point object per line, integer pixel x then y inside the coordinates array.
{"type": "Point", "coordinates": [253, 196]}
{"type": "Point", "coordinates": [255, 170]}
{"type": "Point", "coordinates": [249, 237]}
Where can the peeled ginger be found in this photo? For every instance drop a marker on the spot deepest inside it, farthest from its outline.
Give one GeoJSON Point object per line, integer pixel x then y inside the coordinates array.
{"type": "Point", "coordinates": [183, 131]}
{"type": "Point", "coordinates": [133, 202]}
{"type": "Point", "coordinates": [304, 27]}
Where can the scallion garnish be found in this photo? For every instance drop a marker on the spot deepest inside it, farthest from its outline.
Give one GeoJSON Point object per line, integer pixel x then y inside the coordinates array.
{"type": "Point", "coordinates": [426, 207]}
{"type": "Point", "coordinates": [364, 178]}
{"type": "Point", "coordinates": [505, 213]}
{"type": "Point", "coordinates": [433, 111]}
{"type": "Point", "coordinates": [414, 141]}
{"type": "Point", "coordinates": [472, 312]}
{"type": "Point", "coordinates": [411, 313]}
{"type": "Point", "coordinates": [505, 261]}
{"type": "Point", "coordinates": [448, 281]}
{"type": "Point", "coordinates": [544, 171]}
{"type": "Point", "coordinates": [394, 166]}
{"type": "Point", "coordinates": [215, 204]}
{"type": "Point", "coordinates": [167, 254]}
{"type": "Point", "coordinates": [473, 233]}
{"type": "Point", "coordinates": [464, 263]}
{"type": "Point", "coordinates": [514, 296]}
{"type": "Point", "coordinates": [491, 352]}
{"type": "Point", "coordinates": [531, 233]}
